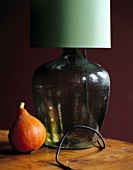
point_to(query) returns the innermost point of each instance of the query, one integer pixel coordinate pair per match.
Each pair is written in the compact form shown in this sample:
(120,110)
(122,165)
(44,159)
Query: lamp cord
(67,132)
(85,53)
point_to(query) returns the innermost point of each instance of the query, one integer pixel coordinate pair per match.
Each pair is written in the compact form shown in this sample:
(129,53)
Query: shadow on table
(5,149)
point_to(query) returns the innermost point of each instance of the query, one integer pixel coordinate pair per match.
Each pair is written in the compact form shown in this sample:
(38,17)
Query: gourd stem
(21,105)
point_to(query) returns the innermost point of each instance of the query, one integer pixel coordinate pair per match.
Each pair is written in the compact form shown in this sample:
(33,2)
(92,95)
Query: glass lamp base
(71,91)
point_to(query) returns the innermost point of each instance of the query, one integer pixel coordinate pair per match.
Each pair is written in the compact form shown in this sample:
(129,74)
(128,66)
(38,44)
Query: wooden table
(117,155)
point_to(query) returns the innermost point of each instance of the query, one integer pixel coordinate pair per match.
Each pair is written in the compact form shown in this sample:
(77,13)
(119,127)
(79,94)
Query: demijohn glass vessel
(71,91)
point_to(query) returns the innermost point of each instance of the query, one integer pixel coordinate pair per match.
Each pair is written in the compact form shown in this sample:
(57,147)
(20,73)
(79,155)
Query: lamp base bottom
(70,142)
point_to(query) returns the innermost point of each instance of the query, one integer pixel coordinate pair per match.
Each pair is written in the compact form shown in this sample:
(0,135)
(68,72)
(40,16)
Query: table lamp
(70,90)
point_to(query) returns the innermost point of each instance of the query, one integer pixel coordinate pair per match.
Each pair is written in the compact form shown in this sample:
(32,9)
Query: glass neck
(72,52)
(73,56)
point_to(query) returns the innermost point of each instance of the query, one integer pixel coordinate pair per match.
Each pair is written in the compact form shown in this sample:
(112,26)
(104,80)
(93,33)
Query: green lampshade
(70,23)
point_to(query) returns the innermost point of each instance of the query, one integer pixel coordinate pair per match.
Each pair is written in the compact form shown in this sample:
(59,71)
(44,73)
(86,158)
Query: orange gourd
(27,132)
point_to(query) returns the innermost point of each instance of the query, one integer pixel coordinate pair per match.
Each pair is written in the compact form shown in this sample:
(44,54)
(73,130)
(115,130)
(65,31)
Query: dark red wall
(18,62)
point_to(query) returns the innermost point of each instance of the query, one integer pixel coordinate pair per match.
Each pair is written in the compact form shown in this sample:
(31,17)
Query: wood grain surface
(118,155)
